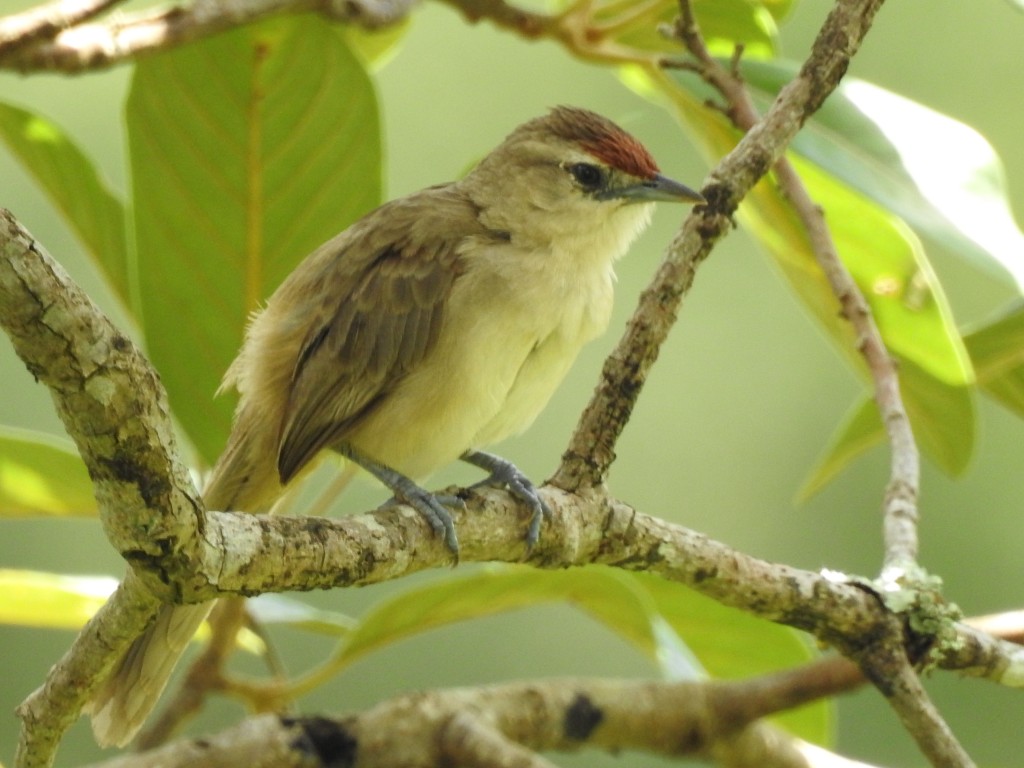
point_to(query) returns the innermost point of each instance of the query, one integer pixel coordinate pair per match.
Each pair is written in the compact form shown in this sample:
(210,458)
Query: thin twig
(895,677)
(899,505)
(900,502)
(591,449)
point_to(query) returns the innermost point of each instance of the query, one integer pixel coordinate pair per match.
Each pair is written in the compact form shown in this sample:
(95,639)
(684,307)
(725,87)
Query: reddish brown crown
(603,139)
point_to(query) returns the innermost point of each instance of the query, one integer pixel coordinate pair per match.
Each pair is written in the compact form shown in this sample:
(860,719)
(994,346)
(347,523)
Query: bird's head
(567,173)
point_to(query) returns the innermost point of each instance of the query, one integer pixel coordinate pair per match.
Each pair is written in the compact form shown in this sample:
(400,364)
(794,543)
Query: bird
(433,327)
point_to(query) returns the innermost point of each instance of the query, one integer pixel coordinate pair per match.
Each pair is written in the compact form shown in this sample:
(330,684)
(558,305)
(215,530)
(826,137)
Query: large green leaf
(888,263)
(247,151)
(69,178)
(682,631)
(42,475)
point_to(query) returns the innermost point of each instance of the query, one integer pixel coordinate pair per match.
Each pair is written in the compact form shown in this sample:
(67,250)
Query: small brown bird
(438,324)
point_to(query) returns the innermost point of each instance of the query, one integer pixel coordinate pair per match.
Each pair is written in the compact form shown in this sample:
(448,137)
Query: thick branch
(22,29)
(95,373)
(109,398)
(491,726)
(89,47)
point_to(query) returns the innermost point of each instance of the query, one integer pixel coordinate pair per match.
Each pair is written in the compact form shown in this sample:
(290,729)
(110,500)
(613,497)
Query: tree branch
(504,725)
(111,403)
(727,729)
(591,449)
(22,29)
(886,665)
(51,709)
(110,400)
(88,47)
(153,516)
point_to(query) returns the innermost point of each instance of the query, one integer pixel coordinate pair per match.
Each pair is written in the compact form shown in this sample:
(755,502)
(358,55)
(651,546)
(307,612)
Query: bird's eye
(589,176)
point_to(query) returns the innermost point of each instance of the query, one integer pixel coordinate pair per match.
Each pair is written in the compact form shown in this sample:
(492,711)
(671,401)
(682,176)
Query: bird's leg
(504,472)
(406,491)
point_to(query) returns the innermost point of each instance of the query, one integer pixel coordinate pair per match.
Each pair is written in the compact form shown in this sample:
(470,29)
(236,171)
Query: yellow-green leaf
(37,599)
(42,475)
(248,150)
(943,417)
(896,152)
(57,601)
(997,349)
(279,609)
(724,24)
(75,188)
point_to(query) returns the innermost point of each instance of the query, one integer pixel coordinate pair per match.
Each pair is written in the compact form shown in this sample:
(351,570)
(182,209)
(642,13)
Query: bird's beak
(658,188)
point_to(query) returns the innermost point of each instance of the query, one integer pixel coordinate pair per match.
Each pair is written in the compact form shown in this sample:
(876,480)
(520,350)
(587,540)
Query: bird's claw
(505,474)
(434,508)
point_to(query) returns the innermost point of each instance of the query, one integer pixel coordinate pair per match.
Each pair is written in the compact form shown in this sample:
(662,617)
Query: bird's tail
(121,705)
(243,479)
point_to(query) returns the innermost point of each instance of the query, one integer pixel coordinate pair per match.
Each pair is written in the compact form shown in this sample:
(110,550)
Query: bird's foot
(505,473)
(434,508)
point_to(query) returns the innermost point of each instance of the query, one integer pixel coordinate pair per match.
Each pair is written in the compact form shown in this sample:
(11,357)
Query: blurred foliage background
(737,410)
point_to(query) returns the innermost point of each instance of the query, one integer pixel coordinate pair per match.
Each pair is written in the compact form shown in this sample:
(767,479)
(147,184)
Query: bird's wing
(374,321)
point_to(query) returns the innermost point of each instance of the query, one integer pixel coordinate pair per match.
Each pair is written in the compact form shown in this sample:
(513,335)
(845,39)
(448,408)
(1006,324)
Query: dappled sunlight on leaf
(42,475)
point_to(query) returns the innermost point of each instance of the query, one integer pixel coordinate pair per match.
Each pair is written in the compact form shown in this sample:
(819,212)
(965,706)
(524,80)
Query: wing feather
(378,312)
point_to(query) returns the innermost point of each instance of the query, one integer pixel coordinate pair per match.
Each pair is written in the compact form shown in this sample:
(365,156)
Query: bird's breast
(514,324)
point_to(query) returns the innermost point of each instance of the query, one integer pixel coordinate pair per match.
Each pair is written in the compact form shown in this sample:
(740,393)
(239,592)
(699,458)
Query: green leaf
(733,644)
(724,23)
(779,9)
(37,599)
(71,181)
(42,475)
(997,349)
(889,265)
(943,419)
(497,589)
(375,47)
(658,617)
(248,150)
(896,152)
(56,601)
(278,609)
(886,260)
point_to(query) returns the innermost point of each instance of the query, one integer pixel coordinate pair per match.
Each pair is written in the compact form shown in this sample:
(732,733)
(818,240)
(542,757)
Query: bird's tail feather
(121,705)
